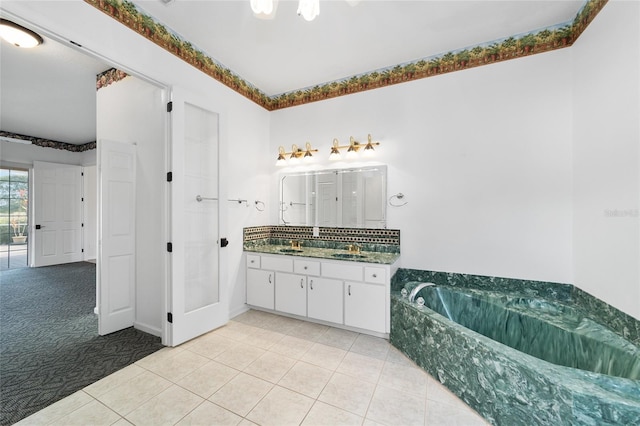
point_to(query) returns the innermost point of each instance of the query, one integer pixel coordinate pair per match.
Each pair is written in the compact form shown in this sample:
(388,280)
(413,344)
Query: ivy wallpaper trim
(545,40)
(48,143)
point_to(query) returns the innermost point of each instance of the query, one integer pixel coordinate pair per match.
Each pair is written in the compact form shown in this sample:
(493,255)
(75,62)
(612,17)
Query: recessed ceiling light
(18,35)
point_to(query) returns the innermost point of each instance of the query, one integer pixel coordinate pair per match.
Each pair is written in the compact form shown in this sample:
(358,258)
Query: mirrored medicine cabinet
(345,198)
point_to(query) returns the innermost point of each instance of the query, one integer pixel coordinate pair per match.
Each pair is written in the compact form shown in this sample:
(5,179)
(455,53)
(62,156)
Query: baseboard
(148,329)
(240,310)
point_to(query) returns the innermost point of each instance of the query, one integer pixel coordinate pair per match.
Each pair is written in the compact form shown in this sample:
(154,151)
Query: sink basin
(348,256)
(290,250)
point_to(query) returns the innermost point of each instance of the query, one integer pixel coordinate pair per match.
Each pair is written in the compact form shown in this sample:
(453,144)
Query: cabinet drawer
(343,271)
(307,267)
(375,275)
(277,263)
(253,261)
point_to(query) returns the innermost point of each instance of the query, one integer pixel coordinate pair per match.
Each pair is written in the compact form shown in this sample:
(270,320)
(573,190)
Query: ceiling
(49,91)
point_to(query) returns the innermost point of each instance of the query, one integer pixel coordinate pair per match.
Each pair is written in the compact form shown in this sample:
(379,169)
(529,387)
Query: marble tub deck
(505,386)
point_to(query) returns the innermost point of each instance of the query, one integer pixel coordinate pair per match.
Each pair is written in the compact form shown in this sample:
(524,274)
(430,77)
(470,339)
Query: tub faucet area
(416,289)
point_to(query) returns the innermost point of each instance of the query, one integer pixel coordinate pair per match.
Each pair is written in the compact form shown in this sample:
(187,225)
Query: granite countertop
(326,253)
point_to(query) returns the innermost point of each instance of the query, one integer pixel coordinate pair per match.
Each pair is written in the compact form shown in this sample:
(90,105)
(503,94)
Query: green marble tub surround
(548,330)
(504,385)
(508,386)
(375,245)
(622,324)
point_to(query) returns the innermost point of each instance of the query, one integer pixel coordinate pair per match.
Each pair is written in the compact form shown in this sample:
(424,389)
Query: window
(14,217)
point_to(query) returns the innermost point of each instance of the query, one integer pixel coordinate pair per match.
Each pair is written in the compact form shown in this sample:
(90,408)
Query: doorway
(14,218)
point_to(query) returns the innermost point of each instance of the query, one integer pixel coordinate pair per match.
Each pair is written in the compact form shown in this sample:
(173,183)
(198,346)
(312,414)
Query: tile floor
(266,369)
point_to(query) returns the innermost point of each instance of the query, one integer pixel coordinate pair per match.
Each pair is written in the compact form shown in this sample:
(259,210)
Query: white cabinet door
(364,306)
(260,286)
(325,300)
(291,293)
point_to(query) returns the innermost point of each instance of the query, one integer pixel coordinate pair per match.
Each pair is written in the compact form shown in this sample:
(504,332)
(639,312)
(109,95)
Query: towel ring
(259,205)
(399,196)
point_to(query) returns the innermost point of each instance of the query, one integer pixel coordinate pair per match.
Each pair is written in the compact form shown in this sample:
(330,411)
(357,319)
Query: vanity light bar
(353,147)
(295,154)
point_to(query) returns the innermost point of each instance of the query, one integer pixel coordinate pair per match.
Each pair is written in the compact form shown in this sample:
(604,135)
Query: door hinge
(170,317)
(82,225)
(82,199)
(169,176)
(82,250)
(81,173)
(169,106)
(169,247)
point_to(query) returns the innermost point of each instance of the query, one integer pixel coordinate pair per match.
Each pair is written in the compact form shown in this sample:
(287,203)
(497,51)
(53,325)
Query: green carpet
(49,343)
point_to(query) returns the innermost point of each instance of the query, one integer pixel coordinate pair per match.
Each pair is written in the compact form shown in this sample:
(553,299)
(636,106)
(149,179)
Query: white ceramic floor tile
(241,394)
(270,366)
(209,413)
(159,357)
(58,409)
(392,407)
(130,395)
(263,338)
(292,347)
(374,347)
(94,413)
(212,345)
(166,408)
(397,357)
(361,367)
(308,331)
(281,407)
(324,356)
(114,380)
(178,366)
(240,356)
(338,338)
(348,393)
(404,378)
(307,379)
(208,379)
(235,331)
(322,414)
(442,414)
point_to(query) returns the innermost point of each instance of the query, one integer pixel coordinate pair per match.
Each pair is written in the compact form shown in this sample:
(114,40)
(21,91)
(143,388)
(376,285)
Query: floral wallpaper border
(545,40)
(109,76)
(48,143)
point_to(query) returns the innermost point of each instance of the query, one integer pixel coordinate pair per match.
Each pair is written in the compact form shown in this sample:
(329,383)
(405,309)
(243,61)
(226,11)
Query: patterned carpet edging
(49,342)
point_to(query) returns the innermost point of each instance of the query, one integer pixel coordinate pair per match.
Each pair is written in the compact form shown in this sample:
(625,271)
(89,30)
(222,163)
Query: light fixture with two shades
(308,9)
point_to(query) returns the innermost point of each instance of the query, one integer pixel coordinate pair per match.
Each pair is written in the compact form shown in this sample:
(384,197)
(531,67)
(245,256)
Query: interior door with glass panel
(197,301)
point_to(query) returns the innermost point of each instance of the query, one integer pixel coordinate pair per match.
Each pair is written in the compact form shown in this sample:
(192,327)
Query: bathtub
(518,358)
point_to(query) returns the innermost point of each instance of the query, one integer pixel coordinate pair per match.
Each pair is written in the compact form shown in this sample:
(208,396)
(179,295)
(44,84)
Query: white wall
(606,157)
(483,157)
(133,111)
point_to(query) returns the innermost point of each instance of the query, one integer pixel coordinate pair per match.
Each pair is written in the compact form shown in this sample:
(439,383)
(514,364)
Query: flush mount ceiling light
(18,35)
(266,9)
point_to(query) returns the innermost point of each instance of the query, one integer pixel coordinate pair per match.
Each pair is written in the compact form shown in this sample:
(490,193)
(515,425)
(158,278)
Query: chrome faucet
(417,288)
(295,245)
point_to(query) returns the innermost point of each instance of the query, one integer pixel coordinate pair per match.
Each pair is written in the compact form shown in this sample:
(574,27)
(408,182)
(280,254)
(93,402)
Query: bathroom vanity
(335,276)
(346,294)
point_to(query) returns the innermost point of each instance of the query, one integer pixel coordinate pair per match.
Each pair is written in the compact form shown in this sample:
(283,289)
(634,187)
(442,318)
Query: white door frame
(165,287)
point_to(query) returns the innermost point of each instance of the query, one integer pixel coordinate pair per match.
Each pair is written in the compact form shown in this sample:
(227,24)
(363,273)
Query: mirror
(347,198)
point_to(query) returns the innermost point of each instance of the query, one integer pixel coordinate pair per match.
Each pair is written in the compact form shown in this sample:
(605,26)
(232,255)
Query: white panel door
(117,236)
(57,213)
(198,302)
